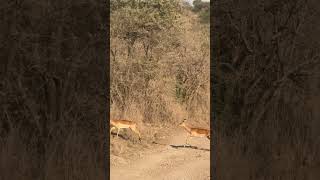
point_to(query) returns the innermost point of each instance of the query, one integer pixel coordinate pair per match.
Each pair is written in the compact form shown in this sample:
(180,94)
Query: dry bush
(266,59)
(159,71)
(162,69)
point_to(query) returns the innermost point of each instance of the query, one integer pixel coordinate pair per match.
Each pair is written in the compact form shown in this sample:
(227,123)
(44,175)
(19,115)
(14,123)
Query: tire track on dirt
(169,162)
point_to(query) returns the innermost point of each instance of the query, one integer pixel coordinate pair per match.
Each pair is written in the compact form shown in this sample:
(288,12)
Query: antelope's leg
(187,140)
(134,129)
(118,132)
(112,129)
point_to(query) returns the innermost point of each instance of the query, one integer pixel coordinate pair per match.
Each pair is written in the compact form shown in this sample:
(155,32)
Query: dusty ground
(165,160)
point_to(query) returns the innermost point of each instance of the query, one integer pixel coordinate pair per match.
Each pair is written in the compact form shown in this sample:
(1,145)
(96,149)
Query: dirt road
(171,161)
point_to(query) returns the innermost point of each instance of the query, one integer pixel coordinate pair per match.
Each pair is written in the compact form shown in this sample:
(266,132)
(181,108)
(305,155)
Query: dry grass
(144,88)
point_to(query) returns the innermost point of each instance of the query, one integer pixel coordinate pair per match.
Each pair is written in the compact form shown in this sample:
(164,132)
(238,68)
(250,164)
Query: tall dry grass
(160,76)
(168,85)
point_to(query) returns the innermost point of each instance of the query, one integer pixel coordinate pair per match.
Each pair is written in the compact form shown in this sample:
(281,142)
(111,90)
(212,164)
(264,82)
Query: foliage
(203,9)
(144,21)
(157,57)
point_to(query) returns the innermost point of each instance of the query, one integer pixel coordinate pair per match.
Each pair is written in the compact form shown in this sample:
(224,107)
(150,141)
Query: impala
(195,132)
(124,124)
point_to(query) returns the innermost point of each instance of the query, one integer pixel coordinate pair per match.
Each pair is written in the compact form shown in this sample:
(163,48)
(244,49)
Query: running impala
(194,132)
(124,124)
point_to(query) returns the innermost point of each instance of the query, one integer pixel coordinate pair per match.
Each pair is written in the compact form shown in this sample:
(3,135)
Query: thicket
(266,59)
(159,61)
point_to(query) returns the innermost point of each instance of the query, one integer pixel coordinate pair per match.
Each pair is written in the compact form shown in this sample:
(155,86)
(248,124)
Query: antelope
(195,132)
(124,124)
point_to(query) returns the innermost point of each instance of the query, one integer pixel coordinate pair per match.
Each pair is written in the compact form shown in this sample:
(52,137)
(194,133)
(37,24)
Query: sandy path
(169,162)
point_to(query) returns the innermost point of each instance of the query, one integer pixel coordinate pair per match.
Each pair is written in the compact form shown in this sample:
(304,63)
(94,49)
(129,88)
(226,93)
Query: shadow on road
(188,146)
